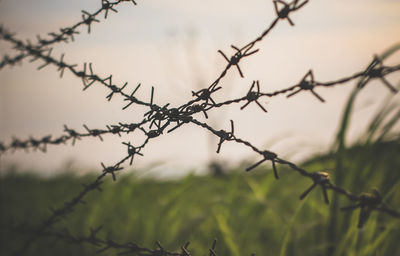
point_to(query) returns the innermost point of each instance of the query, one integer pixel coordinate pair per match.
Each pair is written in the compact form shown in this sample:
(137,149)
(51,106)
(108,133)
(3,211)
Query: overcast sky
(172,45)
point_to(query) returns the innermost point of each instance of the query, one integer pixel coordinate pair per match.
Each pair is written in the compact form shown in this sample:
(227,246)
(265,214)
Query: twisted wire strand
(65,34)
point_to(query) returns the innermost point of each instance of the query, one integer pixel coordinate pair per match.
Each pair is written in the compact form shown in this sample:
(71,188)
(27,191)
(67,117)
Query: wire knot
(94,132)
(111,169)
(287,8)
(132,151)
(377,70)
(319,178)
(88,19)
(224,136)
(270,156)
(367,202)
(205,95)
(234,60)
(253,96)
(309,85)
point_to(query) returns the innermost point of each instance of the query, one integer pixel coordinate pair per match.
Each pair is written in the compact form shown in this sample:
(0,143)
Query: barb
(307,85)
(225,136)
(111,170)
(268,156)
(252,96)
(283,13)
(319,178)
(234,60)
(377,70)
(367,203)
(132,151)
(66,34)
(205,95)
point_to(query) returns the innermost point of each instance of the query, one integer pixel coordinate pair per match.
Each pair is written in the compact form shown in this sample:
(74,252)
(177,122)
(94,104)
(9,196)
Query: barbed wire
(106,244)
(71,134)
(61,212)
(65,34)
(160,119)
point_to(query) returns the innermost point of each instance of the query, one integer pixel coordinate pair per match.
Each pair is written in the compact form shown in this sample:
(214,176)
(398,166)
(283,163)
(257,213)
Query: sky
(172,45)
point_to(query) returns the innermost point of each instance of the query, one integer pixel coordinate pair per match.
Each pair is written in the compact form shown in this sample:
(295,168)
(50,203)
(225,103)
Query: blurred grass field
(246,212)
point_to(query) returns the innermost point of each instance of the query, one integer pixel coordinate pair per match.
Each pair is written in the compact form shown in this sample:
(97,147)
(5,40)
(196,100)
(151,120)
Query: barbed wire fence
(159,120)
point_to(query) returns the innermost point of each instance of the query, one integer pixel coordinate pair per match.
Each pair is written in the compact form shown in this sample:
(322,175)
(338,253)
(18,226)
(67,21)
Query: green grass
(246,212)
